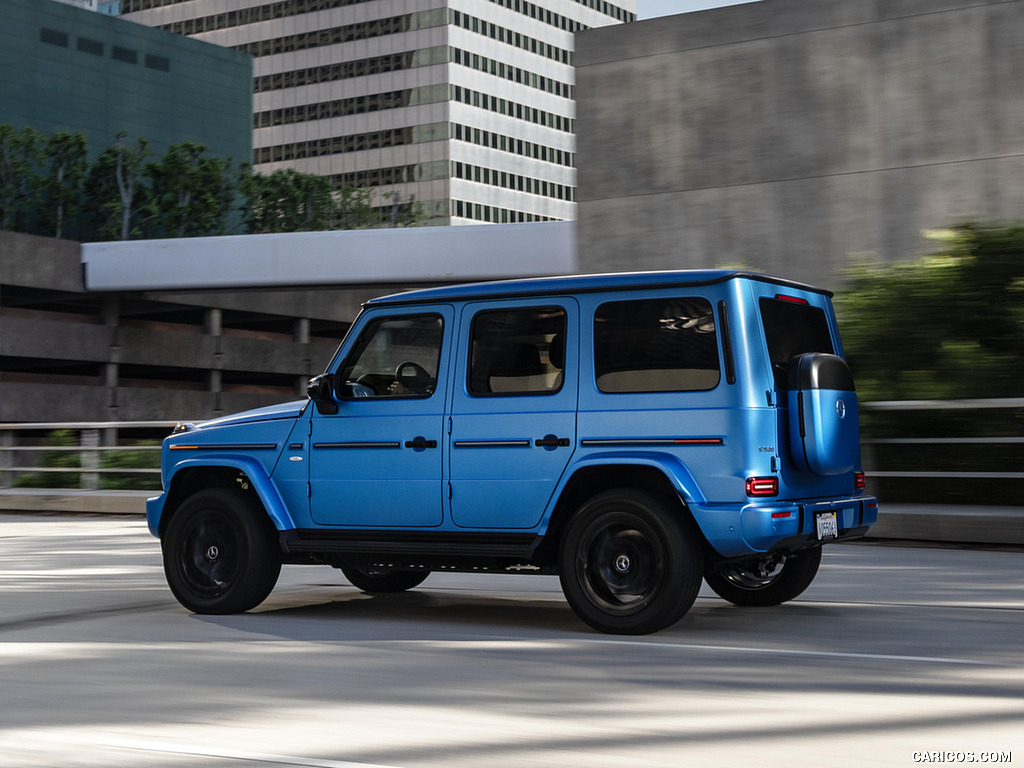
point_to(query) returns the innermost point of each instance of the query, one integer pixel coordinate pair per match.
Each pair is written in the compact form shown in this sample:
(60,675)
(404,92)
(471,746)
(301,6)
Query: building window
(53,37)
(95,47)
(127,55)
(158,62)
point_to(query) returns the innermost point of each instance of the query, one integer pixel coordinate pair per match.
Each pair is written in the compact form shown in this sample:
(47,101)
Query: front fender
(258,479)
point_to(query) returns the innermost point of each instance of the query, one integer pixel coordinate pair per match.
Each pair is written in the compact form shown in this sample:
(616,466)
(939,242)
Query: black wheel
(220,553)
(628,564)
(767,580)
(381,580)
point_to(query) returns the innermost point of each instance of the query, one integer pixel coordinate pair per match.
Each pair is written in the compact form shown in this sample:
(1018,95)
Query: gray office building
(466,107)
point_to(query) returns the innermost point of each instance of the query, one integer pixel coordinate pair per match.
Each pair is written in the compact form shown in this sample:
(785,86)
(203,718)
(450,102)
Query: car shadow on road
(421,614)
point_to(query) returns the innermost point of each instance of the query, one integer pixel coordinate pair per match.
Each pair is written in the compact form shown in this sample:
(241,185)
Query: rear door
(513,415)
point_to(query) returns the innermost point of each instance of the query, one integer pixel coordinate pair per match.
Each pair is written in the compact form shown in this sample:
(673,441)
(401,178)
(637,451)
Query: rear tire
(220,553)
(629,564)
(383,580)
(768,580)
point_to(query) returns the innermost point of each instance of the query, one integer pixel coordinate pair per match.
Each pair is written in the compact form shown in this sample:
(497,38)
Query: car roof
(570,284)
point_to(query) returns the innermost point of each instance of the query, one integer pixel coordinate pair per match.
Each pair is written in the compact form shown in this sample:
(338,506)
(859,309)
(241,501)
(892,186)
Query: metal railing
(1004,403)
(25,448)
(22,445)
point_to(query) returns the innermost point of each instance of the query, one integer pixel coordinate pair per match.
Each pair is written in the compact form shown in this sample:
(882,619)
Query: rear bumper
(782,525)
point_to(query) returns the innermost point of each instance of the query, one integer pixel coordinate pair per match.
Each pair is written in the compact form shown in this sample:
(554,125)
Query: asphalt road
(892,652)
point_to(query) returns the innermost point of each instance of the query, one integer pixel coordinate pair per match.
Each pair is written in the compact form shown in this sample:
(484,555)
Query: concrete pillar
(90,439)
(302,337)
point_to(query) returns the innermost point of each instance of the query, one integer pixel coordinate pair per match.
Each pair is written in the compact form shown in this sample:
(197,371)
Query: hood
(291,410)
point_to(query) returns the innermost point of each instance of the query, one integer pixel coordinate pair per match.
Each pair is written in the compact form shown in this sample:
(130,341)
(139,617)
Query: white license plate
(828,526)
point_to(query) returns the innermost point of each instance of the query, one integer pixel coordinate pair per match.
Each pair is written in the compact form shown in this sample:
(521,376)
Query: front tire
(768,580)
(628,563)
(383,580)
(220,553)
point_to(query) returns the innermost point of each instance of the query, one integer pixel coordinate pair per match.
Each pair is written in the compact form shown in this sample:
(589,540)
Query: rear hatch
(819,436)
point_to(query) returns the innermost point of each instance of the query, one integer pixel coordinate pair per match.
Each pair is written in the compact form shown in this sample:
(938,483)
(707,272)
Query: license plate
(827,525)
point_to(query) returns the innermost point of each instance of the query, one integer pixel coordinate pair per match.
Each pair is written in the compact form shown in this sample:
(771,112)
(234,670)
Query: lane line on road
(225,754)
(799,652)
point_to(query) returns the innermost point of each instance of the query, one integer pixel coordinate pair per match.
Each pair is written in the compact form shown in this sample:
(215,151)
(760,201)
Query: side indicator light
(762,486)
(860,481)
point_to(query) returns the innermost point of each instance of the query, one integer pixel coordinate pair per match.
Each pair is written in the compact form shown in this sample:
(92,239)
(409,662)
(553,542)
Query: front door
(513,422)
(377,461)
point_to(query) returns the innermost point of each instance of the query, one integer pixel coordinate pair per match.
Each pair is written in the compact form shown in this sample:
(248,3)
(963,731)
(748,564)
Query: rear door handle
(551,441)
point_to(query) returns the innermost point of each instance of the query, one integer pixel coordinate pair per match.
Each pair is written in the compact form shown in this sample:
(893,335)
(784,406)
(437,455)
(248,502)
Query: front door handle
(419,443)
(552,442)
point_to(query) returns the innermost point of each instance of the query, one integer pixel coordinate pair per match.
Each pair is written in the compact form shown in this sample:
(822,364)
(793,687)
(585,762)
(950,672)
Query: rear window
(792,328)
(656,345)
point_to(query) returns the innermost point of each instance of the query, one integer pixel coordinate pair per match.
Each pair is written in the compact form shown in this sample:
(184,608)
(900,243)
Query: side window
(517,351)
(656,345)
(395,357)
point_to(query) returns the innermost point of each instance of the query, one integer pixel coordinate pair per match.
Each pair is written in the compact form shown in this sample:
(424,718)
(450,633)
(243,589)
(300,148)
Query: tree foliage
(19,178)
(66,165)
(191,191)
(950,325)
(46,181)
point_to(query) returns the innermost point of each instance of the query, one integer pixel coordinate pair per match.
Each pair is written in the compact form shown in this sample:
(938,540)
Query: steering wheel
(413,377)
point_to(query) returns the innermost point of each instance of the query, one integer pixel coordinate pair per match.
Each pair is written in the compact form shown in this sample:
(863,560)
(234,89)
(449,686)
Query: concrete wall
(784,135)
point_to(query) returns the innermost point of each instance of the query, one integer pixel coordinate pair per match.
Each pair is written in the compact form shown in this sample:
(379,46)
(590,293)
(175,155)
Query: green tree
(354,210)
(19,181)
(115,187)
(66,165)
(190,191)
(950,325)
(287,201)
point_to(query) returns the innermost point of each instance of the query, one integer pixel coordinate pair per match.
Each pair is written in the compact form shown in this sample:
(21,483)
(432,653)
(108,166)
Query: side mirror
(321,391)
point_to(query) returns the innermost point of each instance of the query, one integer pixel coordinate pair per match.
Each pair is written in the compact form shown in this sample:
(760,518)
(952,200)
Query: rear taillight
(860,481)
(762,486)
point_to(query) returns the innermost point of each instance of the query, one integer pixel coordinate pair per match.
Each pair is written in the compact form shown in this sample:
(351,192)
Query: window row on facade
(504,143)
(512,74)
(513,181)
(344,70)
(391,25)
(363,30)
(419,134)
(96,48)
(437,170)
(510,37)
(357,105)
(494,214)
(429,94)
(280,10)
(535,11)
(512,109)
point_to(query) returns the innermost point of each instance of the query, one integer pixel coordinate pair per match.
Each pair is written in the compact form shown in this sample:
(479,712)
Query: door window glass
(656,345)
(395,357)
(517,352)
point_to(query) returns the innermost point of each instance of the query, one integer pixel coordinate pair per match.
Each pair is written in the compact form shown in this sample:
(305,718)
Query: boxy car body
(633,433)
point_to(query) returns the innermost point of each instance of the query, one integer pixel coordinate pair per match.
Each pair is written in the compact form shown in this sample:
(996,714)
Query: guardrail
(31,450)
(88,456)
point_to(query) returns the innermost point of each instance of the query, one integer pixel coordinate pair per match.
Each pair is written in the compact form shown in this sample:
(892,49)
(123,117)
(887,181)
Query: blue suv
(633,433)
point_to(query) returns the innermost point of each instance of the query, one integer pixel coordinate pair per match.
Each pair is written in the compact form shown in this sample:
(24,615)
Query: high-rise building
(462,109)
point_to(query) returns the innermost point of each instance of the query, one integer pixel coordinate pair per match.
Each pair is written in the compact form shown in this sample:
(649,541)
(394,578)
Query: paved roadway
(892,651)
